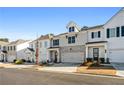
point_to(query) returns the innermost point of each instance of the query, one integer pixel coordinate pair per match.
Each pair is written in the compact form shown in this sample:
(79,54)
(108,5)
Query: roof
(43,37)
(31,49)
(19,41)
(96,42)
(122,9)
(3,43)
(97,26)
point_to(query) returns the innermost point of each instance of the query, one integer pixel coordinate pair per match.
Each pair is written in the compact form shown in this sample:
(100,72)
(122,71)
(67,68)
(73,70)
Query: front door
(95,54)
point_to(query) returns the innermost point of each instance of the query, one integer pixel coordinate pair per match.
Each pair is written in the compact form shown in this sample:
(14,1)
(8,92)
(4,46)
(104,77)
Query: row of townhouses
(76,45)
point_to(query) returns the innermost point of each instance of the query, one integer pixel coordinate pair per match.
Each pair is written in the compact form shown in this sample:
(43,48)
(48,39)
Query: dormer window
(71,29)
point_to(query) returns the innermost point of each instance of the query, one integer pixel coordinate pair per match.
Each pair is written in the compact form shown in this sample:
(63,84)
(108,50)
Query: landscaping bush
(19,61)
(89,60)
(14,60)
(102,60)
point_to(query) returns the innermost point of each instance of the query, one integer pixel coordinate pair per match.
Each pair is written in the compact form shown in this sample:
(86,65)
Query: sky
(27,22)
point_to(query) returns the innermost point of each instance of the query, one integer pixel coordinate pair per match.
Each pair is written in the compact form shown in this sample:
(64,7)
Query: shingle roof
(97,26)
(19,41)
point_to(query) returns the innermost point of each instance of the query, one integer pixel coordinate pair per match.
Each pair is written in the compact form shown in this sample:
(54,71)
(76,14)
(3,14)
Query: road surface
(9,76)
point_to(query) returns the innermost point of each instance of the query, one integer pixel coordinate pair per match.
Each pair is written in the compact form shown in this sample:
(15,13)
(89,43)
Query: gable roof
(122,9)
(19,41)
(43,37)
(72,22)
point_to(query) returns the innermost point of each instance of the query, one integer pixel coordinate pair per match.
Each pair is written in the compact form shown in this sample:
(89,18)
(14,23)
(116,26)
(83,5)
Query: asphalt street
(9,76)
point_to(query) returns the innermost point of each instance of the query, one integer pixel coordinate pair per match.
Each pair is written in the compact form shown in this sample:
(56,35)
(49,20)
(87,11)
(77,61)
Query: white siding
(115,43)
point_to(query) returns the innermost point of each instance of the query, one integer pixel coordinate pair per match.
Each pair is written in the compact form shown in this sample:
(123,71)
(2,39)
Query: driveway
(61,67)
(120,68)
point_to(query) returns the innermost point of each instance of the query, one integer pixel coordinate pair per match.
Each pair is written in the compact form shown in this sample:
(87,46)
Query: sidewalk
(21,66)
(119,68)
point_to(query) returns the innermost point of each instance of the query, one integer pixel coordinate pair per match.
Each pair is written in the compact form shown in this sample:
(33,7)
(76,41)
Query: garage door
(73,57)
(117,56)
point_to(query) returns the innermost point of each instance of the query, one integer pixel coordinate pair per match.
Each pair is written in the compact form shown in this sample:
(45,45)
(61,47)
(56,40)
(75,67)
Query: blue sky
(25,23)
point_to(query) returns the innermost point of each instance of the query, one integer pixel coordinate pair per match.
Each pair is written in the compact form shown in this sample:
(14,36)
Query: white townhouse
(96,45)
(43,43)
(101,42)
(3,51)
(70,46)
(16,50)
(114,35)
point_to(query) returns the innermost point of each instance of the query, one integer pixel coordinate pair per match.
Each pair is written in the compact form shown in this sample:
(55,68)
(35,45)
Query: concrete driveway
(61,67)
(120,68)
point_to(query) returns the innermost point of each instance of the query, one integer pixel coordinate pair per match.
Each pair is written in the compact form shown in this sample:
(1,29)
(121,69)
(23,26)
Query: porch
(54,54)
(97,51)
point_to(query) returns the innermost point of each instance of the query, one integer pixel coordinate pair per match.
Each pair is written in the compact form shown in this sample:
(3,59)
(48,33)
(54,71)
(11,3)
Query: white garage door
(73,57)
(117,56)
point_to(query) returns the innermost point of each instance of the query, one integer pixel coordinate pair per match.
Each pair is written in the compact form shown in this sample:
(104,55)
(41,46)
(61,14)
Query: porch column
(58,55)
(86,54)
(105,52)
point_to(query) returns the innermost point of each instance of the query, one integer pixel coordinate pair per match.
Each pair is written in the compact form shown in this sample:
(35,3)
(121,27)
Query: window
(96,34)
(4,47)
(117,31)
(112,32)
(122,30)
(71,29)
(56,42)
(40,44)
(10,47)
(45,44)
(71,39)
(14,48)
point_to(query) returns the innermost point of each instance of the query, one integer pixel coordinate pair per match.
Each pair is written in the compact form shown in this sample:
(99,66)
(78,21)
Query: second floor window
(11,48)
(71,29)
(96,34)
(71,39)
(4,47)
(56,42)
(14,47)
(45,44)
(40,44)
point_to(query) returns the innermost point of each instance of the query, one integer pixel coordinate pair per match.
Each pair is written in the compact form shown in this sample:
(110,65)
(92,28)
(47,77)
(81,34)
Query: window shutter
(122,30)
(69,29)
(107,33)
(117,31)
(99,34)
(92,35)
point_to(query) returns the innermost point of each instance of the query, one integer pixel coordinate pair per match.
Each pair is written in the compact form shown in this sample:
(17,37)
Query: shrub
(14,60)
(102,60)
(89,60)
(19,61)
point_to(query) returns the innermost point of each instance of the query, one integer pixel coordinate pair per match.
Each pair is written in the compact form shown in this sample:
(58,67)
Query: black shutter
(99,34)
(122,30)
(92,35)
(117,31)
(107,33)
